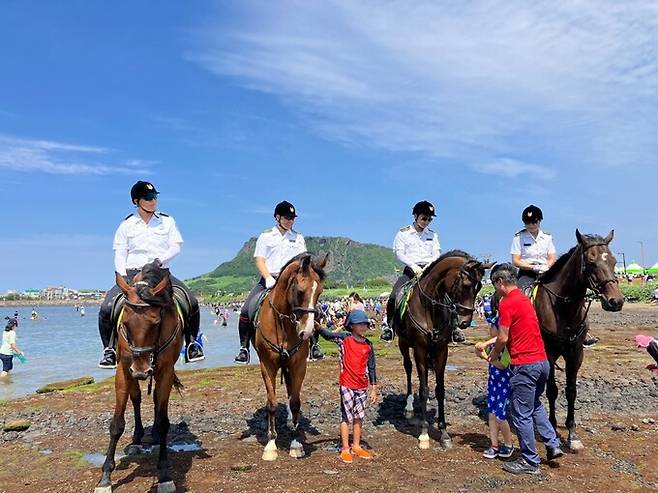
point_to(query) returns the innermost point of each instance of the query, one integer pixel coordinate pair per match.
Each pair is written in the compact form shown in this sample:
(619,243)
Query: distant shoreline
(37,303)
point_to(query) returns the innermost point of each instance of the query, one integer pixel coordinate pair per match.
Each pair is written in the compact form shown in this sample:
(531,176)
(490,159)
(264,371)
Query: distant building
(59,293)
(32,294)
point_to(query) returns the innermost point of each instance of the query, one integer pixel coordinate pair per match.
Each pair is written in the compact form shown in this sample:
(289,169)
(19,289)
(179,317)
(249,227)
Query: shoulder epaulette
(406,228)
(520,231)
(547,233)
(430,230)
(128,216)
(163,214)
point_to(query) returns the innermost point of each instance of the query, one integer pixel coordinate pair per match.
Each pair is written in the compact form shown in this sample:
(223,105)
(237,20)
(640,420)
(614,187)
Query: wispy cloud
(29,155)
(468,81)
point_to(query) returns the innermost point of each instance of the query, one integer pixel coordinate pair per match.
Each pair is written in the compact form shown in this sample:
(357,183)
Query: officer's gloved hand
(270,282)
(417,269)
(539,268)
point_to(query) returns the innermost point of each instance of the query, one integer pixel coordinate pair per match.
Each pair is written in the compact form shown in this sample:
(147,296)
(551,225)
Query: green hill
(351,264)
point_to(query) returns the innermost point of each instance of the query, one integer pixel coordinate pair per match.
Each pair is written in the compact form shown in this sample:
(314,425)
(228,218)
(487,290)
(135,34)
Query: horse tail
(178,385)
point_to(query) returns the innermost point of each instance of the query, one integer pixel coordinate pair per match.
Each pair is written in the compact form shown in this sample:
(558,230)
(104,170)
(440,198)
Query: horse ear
(324,260)
(487,266)
(610,236)
(162,285)
(305,263)
(121,282)
(579,237)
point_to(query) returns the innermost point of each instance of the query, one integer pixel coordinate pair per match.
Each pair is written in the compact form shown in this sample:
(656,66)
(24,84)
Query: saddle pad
(255,306)
(403,295)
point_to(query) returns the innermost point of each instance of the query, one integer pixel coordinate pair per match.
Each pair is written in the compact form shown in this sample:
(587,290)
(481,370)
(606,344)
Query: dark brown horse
(283,327)
(442,299)
(562,309)
(150,340)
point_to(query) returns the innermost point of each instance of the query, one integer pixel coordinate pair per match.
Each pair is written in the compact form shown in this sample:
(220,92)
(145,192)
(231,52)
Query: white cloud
(471,80)
(30,155)
(511,168)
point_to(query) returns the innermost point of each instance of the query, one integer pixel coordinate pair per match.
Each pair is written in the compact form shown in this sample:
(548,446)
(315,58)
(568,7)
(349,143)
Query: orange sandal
(345,456)
(361,453)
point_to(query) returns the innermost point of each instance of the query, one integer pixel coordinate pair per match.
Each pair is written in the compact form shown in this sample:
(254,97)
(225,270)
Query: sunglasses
(534,221)
(150,196)
(289,218)
(425,218)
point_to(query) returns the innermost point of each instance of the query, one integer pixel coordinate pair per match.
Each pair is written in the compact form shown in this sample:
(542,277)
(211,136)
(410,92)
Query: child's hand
(373,394)
(479,347)
(497,364)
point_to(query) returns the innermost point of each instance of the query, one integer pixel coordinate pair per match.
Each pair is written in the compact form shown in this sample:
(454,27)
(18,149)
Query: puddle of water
(97,459)
(185,447)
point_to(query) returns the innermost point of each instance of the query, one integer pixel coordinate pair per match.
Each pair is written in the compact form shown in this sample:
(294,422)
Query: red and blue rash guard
(357,359)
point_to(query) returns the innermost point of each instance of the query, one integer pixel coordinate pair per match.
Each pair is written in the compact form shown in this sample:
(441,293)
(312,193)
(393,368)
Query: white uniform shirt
(412,247)
(146,242)
(277,248)
(531,249)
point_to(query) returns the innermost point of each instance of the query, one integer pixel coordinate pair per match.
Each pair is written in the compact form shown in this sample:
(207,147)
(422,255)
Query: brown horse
(442,298)
(562,308)
(150,340)
(283,327)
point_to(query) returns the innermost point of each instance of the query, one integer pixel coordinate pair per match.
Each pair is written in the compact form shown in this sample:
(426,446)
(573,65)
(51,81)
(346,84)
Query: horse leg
(439,368)
(572,365)
(408,367)
(136,398)
(421,369)
(165,483)
(551,391)
(117,426)
(294,405)
(269,377)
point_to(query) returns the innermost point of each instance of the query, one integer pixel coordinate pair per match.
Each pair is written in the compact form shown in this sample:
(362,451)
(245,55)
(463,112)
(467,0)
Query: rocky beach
(218,430)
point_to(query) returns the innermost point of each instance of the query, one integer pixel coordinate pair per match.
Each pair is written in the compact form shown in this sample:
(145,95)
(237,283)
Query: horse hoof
(296,450)
(103,489)
(270,454)
(576,445)
(168,487)
(424,441)
(446,443)
(134,450)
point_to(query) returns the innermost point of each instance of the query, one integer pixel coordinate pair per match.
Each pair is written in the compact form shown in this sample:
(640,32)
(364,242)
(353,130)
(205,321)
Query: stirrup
(200,357)
(243,350)
(106,352)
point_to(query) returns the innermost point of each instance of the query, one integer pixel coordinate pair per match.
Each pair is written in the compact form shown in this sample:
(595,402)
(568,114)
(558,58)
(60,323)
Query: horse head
(141,322)
(462,280)
(598,267)
(304,281)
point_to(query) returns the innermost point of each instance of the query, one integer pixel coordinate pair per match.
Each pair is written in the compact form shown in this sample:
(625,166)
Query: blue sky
(353,111)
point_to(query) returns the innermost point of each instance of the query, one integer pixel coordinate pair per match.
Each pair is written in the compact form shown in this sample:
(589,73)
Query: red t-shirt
(357,359)
(524,344)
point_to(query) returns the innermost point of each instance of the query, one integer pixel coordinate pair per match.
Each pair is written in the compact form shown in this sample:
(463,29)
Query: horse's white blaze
(604,256)
(310,317)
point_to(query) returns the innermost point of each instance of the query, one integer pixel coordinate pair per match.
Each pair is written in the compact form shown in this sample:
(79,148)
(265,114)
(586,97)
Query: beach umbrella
(653,269)
(634,268)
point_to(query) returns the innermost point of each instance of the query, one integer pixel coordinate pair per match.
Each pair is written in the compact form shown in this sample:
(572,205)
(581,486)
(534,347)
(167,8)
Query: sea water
(62,345)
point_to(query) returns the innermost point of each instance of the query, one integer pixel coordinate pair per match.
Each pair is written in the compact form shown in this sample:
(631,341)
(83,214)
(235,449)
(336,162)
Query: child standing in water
(498,390)
(357,370)
(9,347)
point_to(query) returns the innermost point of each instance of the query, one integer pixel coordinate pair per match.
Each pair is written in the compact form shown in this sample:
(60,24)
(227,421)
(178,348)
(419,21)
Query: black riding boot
(387,330)
(244,328)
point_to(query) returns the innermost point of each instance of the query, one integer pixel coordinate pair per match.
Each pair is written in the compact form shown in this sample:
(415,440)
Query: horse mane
(550,274)
(451,253)
(314,264)
(152,274)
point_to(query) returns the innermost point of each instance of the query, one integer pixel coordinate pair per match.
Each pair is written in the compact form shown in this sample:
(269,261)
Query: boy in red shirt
(357,369)
(519,331)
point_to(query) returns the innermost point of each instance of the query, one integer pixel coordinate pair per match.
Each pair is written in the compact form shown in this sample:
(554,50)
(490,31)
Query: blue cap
(357,317)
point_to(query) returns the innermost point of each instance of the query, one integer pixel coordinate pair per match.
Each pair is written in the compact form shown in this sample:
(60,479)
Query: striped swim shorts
(353,404)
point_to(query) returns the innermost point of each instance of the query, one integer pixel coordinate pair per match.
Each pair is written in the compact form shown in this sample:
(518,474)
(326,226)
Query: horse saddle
(183,305)
(253,310)
(402,296)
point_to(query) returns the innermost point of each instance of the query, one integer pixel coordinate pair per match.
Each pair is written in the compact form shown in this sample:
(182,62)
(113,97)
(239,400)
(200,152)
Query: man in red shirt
(519,331)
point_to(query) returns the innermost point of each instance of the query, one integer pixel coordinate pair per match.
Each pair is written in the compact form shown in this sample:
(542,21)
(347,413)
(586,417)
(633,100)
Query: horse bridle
(586,270)
(448,303)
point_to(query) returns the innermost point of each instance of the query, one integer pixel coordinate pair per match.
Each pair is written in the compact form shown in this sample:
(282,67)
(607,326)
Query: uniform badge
(292,209)
(149,186)
(529,213)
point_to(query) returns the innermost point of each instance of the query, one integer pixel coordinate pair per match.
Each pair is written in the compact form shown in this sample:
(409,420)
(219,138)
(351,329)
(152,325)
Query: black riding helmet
(285,208)
(424,207)
(531,214)
(143,190)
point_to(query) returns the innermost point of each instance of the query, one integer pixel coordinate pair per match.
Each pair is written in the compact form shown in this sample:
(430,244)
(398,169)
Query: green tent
(634,268)
(653,269)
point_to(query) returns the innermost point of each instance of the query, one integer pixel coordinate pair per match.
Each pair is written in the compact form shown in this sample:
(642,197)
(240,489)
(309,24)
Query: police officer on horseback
(274,248)
(533,251)
(141,238)
(416,246)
